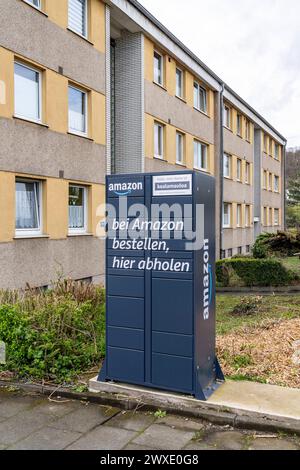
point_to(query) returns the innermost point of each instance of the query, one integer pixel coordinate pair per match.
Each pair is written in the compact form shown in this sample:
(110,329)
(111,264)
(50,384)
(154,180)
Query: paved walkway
(33,422)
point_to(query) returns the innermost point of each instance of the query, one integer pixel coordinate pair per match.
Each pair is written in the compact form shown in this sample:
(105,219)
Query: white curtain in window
(77,16)
(27,206)
(76,217)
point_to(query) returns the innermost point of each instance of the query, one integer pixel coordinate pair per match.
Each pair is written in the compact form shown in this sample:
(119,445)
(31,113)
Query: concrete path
(33,422)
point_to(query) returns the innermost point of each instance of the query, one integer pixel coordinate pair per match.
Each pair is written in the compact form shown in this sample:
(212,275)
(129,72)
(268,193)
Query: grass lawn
(292,263)
(262,345)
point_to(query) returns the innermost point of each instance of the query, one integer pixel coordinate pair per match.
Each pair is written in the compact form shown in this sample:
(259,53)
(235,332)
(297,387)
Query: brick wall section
(129,98)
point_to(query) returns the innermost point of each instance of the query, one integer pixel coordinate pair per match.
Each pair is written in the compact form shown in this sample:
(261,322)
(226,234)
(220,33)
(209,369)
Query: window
(200,98)
(248,131)
(179,148)
(77,111)
(247,173)
(239,125)
(200,156)
(158,69)
(227,165)
(247,248)
(226,215)
(247,216)
(28,207)
(239,169)
(276,216)
(158,140)
(270,181)
(277,151)
(265,182)
(35,3)
(179,83)
(28,102)
(276,184)
(265,143)
(240,250)
(77,209)
(223,254)
(265,216)
(229,253)
(270,147)
(270,216)
(78,16)
(239,215)
(227,117)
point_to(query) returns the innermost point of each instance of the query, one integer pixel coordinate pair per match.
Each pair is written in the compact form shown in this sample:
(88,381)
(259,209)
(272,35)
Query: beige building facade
(89,88)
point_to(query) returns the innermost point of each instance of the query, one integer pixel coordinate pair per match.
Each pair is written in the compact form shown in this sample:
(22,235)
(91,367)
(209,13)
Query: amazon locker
(160,282)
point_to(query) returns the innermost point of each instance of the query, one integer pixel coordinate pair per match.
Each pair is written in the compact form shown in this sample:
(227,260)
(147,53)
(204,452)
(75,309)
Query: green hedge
(253,272)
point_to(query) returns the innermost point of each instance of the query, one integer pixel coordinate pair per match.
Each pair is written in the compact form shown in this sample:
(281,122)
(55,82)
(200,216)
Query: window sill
(160,86)
(160,158)
(228,128)
(30,237)
(35,8)
(201,112)
(181,164)
(80,36)
(81,136)
(18,118)
(203,170)
(86,234)
(227,178)
(181,99)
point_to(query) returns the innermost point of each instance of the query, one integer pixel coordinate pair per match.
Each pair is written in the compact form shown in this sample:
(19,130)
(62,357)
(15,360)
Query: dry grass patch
(268,352)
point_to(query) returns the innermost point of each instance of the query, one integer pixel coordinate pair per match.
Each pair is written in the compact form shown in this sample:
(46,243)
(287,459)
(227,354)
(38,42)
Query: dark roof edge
(171,36)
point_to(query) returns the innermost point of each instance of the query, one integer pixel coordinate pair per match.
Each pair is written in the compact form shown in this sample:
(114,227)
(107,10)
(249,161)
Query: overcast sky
(253,45)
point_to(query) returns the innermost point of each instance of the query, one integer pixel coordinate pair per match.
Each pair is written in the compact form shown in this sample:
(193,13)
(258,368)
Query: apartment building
(89,88)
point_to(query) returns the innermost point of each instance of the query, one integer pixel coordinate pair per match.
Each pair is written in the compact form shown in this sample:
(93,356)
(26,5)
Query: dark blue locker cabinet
(160,315)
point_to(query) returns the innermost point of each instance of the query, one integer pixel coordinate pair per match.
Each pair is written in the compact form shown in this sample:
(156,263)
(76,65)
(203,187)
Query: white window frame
(196,155)
(227,156)
(270,182)
(227,113)
(30,2)
(276,219)
(181,94)
(161,83)
(239,125)
(197,100)
(276,184)
(248,131)
(29,232)
(247,172)
(227,225)
(276,153)
(162,128)
(239,172)
(83,230)
(265,217)
(179,139)
(239,221)
(40,95)
(247,216)
(74,131)
(86,24)
(265,179)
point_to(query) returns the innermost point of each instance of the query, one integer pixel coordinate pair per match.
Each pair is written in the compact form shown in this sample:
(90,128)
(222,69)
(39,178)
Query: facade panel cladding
(64,126)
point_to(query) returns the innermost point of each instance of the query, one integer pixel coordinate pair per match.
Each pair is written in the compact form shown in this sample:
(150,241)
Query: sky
(253,45)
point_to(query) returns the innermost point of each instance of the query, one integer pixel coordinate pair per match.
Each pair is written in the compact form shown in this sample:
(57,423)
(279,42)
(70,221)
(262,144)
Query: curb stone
(214,414)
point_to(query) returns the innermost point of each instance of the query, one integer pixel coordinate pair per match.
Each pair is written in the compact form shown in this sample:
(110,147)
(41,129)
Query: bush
(280,243)
(253,272)
(54,335)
